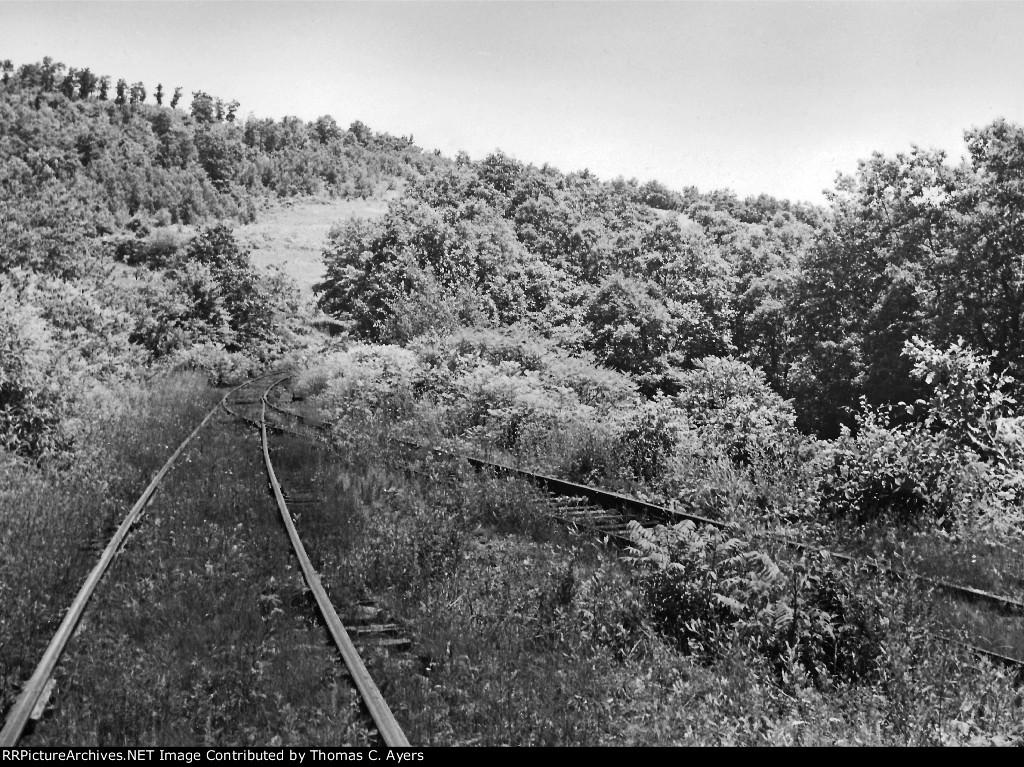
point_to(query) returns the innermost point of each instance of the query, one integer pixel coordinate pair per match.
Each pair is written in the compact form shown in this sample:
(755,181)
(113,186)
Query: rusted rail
(609,499)
(646,512)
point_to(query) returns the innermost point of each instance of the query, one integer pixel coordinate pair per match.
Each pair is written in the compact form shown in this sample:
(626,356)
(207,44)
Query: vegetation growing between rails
(201,632)
(55,523)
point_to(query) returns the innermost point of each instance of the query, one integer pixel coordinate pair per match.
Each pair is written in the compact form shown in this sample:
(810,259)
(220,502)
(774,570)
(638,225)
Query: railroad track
(36,691)
(38,684)
(388,727)
(608,515)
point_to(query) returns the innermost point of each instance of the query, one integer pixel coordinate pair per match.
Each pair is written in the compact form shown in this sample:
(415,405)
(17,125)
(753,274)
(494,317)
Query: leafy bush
(212,293)
(604,390)
(36,383)
(514,408)
(159,250)
(731,403)
(951,468)
(182,308)
(366,380)
(647,439)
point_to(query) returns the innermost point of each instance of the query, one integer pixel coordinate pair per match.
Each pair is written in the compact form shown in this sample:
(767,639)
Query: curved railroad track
(37,685)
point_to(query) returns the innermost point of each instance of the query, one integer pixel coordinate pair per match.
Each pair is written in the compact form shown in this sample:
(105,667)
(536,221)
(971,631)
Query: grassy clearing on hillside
(291,234)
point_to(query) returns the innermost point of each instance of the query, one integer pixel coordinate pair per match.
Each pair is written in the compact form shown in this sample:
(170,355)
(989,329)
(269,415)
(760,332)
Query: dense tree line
(648,290)
(821,300)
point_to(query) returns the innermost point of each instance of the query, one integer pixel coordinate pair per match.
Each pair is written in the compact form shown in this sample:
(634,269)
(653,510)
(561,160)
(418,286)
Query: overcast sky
(769,97)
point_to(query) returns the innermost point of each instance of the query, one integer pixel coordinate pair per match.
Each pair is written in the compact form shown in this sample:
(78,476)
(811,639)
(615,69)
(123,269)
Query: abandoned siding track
(608,515)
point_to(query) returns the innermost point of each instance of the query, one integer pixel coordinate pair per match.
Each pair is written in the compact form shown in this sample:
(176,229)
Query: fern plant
(706,589)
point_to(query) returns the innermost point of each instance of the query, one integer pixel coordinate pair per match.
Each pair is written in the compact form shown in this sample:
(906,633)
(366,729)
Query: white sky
(769,97)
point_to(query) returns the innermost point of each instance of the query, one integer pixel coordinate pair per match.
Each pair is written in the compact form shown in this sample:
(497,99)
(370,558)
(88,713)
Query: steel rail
(22,709)
(272,426)
(388,727)
(299,416)
(605,497)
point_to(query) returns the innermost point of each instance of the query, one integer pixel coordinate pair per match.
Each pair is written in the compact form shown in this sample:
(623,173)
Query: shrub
(823,623)
(950,469)
(906,475)
(598,387)
(731,403)
(212,294)
(514,408)
(366,380)
(647,439)
(37,385)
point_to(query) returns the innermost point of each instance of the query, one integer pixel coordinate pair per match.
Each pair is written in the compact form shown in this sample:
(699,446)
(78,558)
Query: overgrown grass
(54,521)
(523,633)
(291,234)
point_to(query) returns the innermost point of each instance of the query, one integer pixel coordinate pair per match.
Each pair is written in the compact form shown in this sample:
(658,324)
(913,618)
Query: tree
(104,88)
(249,302)
(122,90)
(981,296)
(361,133)
(158,94)
(326,129)
(176,98)
(69,85)
(869,284)
(221,153)
(51,73)
(203,107)
(137,95)
(630,328)
(916,248)
(87,83)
